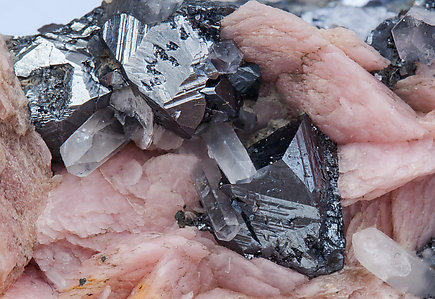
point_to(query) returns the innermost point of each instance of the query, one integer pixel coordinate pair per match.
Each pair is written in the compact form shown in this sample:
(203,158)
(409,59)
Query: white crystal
(94,142)
(390,262)
(225,147)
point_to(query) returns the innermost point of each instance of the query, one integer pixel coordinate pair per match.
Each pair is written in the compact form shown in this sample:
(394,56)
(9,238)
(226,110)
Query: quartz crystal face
(291,207)
(59,76)
(226,57)
(414,35)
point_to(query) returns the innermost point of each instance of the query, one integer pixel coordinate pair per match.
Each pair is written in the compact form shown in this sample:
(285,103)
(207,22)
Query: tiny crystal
(247,81)
(390,262)
(221,96)
(225,147)
(414,35)
(226,57)
(93,143)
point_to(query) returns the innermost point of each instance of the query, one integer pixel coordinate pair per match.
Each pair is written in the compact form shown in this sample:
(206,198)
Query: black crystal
(220,95)
(291,208)
(247,81)
(427,253)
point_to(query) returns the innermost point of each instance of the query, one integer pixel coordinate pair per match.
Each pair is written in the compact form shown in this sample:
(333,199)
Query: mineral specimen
(427,253)
(247,81)
(414,35)
(221,96)
(387,260)
(291,207)
(93,143)
(225,56)
(164,63)
(225,147)
(59,76)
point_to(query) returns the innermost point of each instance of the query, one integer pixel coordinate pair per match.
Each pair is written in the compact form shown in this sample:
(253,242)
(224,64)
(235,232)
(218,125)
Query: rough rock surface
(24,175)
(369,170)
(115,230)
(345,101)
(355,48)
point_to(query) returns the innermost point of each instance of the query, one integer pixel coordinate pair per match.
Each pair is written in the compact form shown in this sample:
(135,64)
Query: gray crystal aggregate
(225,147)
(414,35)
(59,76)
(93,143)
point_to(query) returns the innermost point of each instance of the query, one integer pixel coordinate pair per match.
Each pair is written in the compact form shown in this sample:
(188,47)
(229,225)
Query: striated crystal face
(291,207)
(393,264)
(414,35)
(94,142)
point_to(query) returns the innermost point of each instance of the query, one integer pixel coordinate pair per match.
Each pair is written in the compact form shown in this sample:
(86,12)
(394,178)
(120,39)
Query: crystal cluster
(126,70)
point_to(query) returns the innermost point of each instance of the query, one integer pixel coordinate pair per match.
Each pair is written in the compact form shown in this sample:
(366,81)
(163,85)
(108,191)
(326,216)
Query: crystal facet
(291,208)
(225,147)
(93,143)
(414,35)
(59,76)
(247,81)
(217,205)
(137,117)
(226,57)
(221,96)
(390,262)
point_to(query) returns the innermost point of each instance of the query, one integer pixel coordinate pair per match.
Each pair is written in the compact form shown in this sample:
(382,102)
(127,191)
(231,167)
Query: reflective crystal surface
(147,11)
(390,262)
(225,56)
(225,147)
(291,208)
(222,96)
(414,35)
(247,81)
(135,115)
(427,253)
(59,76)
(166,68)
(97,139)
(217,205)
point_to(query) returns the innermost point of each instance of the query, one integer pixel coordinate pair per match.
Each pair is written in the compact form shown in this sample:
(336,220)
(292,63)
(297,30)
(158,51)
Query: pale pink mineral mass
(369,170)
(355,48)
(418,91)
(344,100)
(24,175)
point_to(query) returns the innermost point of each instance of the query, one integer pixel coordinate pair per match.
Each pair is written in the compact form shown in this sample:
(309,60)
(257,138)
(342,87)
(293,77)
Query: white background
(24,17)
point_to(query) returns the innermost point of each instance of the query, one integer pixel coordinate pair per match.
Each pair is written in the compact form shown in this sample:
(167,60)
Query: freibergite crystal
(291,208)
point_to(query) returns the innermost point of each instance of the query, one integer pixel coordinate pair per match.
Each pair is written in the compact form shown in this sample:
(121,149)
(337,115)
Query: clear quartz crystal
(222,216)
(226,57)
(97,139)
(390,262)
(228,151)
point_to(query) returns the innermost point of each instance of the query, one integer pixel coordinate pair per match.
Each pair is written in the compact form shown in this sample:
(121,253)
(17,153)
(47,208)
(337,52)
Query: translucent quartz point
(414,35)
(390,262)
(226,57)
(93,143)
(230,154)
(222,216)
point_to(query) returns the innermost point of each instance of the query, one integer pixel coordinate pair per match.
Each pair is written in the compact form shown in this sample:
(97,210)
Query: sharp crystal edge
(386,259)
(165,65)
(291,207)
(93,143)
(59,76)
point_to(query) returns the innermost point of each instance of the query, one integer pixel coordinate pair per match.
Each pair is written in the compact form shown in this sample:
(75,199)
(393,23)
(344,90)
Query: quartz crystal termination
(164,63)
(93,143)
(390,262)
(414,35)
(291,208)
(225,147)
(59,76)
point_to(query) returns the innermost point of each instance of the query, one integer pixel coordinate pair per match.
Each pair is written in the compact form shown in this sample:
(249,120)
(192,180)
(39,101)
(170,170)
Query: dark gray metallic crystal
(59,76)
(221,96)
(165,64)
(247,81)
(291,208)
